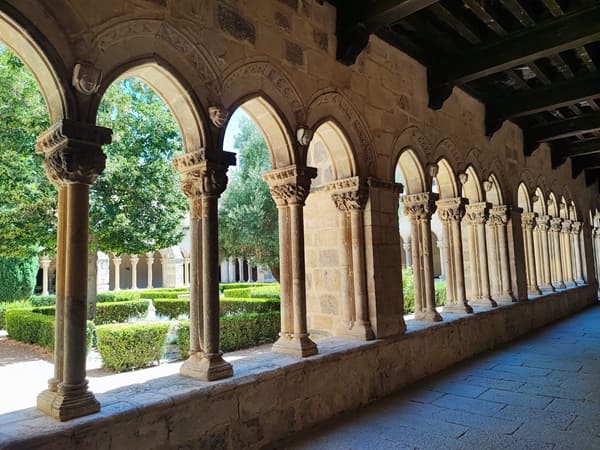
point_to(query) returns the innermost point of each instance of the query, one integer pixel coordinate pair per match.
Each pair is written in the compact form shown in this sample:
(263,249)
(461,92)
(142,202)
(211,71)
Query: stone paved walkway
(542,392)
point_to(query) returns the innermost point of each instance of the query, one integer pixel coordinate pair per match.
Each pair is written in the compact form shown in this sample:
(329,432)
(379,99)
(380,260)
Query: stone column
(567,263)
(350,196)
(117,263)
(442,247)
(241,269)
(476,217)
(596,250)
(45,265)
(203,180)
(451,211)
(250,275)
(556,257)
(528,223)
(73,158)
(186,271)
(543,225)
(497,220)
(578,265)
(231,269)
(289,187)
(149,264)
(407,252)
(419,208)
(134,259)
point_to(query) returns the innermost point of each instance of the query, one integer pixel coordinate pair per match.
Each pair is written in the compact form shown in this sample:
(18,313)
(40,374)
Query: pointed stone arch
(411,138)
(471,188)
(446,179)
(494,194)
(411,173)
(539,201)
(523,197)
(447,149)
(334,106)
(552,205)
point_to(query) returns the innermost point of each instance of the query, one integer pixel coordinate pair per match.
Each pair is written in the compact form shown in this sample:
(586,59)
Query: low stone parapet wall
(273,395)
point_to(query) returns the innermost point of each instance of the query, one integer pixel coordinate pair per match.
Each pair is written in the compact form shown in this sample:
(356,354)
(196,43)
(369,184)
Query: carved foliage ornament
(477,213)
(451,209)
(419,206)
(566,226)
(349,194)
(543,223)
(73,151)
(498,215)
(556,224)
(528,220)
(290,185)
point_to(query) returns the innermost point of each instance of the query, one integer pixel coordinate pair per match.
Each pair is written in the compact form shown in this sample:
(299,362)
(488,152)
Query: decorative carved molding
(349,193)
(477,213)
(528,220)
(566,226)
(451,209)
(73,151)
(291,184)
(543,223)
(576,228)
(86,78)
(342,105)
(419,206)
(265,70)
(556,224)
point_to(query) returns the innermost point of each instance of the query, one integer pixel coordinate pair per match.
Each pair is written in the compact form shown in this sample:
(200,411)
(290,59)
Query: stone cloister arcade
(512,227)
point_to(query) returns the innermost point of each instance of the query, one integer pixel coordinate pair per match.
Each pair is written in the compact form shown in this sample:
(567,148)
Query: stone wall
(274,395)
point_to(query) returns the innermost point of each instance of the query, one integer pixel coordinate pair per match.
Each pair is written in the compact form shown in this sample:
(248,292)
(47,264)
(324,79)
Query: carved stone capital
(349,193)
(556,224)
(576,227)
(528,220)
(291,184)
(543,223)
(419,206)
(477,213)
(498,215)
(566,226)
(451,209)
(397,188)
(73,151)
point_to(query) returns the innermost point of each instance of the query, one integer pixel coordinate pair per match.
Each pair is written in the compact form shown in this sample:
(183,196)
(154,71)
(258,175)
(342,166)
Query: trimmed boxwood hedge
(118,296)
(164,293)
(43,300)
(130,346)
(173,308)
(33,328)
(115,312)
(271,291)
(13,305)
(226,286)
(237,332)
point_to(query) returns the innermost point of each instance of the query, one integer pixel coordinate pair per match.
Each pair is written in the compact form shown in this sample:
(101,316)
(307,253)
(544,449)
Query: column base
(579,282)
(458,308)
(558,285)
(533,290)
(206,367)
(299,346)
(428,316)
(546,288)
(570,284)
(362,331)
(483,301)
(505,299)
(68,403)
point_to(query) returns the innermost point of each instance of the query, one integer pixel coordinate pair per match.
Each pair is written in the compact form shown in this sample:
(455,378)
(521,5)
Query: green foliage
(247,214)
(17,277)
(271,291)
(226,286)
(122,311)
(440,292)
(164,293)
(118,296)
(45,310)
(136,204)
(27,326)
(43,300)
(127,346)
(27,198)
(237,332)
(174,308)
(13,305)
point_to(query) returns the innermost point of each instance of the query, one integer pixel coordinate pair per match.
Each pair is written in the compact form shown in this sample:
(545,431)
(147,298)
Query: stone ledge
(272,395)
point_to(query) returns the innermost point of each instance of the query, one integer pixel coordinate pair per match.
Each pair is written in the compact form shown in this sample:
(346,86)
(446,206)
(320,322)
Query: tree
(247,212)
(27,198)
(136,205)
(17,278)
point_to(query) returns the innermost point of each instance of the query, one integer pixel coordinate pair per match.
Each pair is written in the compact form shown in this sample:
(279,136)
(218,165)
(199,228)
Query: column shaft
(361,302)
(134,259)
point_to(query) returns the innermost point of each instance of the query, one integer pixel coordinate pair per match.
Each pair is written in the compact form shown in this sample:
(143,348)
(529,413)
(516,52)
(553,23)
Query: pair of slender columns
(556,253)
(451,211)
(203,179)
(350,196)
(45,265)
(419,208)
(596,249)
(566,250)
(476,215)
(499,268)
(73,159)
(290,187)
(528,222)
(576,246)
(542,253)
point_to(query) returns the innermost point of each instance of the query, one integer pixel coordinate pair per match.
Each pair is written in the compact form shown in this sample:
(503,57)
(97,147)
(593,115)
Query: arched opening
(523,198)
(445,180)
(539,202)
(493,193)
(471,188)
(552,205)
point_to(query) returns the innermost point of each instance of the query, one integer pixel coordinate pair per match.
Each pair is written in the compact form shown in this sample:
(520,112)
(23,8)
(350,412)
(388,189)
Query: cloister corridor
(540,392)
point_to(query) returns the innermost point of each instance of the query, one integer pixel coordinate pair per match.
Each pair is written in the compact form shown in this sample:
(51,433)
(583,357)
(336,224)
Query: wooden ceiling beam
(560,129)
(357,19)
(581,163)
(560,151)
(544,40)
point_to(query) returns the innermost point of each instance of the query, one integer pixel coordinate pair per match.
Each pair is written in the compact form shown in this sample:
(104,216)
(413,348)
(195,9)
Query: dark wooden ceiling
(534,62)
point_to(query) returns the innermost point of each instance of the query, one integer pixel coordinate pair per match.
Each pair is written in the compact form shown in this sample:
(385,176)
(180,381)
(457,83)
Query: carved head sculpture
(86,78)
(218,115)
(304,136)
